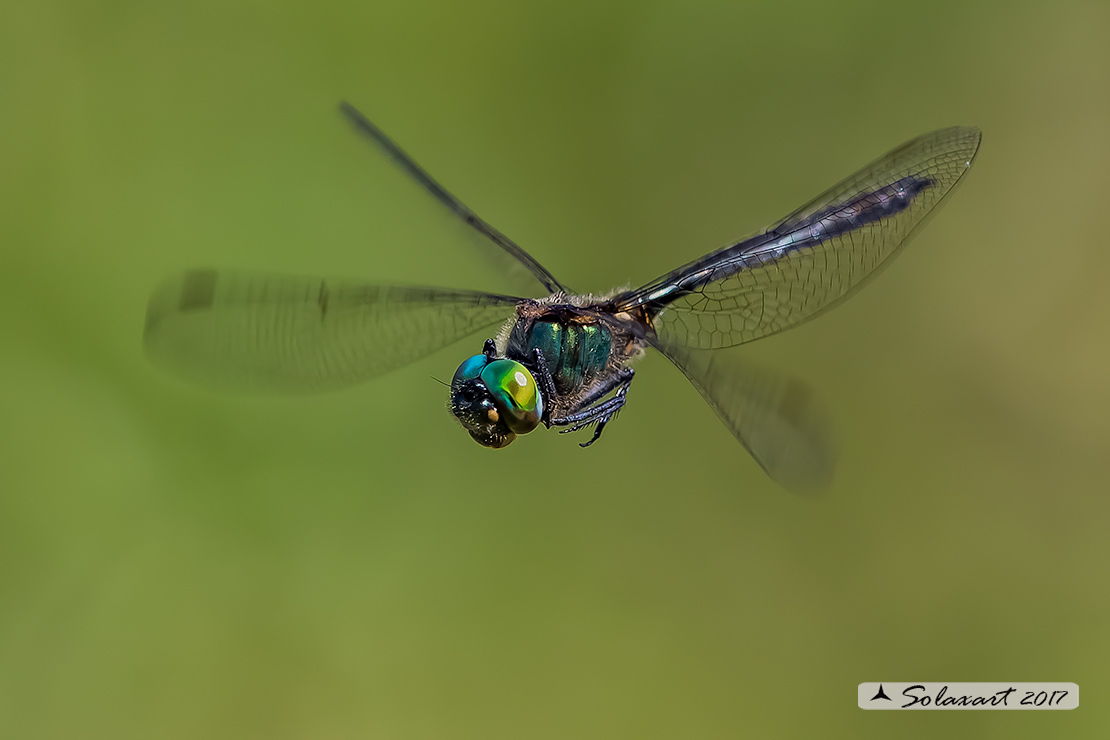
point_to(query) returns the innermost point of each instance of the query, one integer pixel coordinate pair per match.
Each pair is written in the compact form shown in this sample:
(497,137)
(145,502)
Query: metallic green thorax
(575,353)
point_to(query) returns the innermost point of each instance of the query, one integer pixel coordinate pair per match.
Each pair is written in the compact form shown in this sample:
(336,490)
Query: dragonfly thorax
(495,400)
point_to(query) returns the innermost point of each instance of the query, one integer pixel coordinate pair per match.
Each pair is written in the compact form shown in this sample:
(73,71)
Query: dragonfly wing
(776,417)
(260,332)
(511,256)
(815,257)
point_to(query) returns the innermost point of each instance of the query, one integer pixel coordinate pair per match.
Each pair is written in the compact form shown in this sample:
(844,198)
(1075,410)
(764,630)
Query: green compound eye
(470,369)
(515,392)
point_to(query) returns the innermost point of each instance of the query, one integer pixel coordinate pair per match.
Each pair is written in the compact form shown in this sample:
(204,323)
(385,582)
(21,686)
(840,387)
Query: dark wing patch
(815,257)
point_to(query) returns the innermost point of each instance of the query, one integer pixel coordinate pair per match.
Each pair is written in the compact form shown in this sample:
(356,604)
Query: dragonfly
(561,359)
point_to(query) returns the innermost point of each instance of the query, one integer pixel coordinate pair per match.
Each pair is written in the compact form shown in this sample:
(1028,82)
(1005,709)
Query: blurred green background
(180,564)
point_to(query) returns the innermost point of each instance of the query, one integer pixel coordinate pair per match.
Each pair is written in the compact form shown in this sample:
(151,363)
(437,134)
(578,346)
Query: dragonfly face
(495,400)
(563,360)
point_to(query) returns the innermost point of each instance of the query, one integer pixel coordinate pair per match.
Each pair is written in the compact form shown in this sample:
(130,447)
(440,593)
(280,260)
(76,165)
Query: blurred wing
(775,417)
(516,255)
(815,257)
(257,332)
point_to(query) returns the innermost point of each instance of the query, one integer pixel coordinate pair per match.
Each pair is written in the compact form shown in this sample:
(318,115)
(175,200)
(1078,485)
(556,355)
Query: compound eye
(515,392)
(470,369)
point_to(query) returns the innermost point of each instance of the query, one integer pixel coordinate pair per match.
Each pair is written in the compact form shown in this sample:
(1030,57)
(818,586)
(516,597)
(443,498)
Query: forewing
(260,332)
(815,257)
(776,417)
(510,255)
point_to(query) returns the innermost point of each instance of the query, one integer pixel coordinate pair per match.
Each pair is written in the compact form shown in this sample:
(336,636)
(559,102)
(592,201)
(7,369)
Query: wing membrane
(259,332)
(774,416)
(409,166)
(815,257)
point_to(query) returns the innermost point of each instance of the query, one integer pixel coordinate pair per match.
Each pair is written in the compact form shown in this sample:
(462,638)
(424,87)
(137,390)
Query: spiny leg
(600,412)
(606,386)
(607,412)
(542,373)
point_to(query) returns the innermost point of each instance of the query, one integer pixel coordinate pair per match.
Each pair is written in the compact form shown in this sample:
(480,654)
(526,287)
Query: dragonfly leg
(618,404)
(622,377)
(601,414)
(542,373)
(592,410)
(490,350)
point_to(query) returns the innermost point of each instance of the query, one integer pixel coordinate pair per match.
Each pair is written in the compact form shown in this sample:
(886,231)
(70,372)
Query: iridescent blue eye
(470,369)
(515,392)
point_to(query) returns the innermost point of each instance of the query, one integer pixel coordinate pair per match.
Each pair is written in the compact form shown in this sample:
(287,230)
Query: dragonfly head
(495,400)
